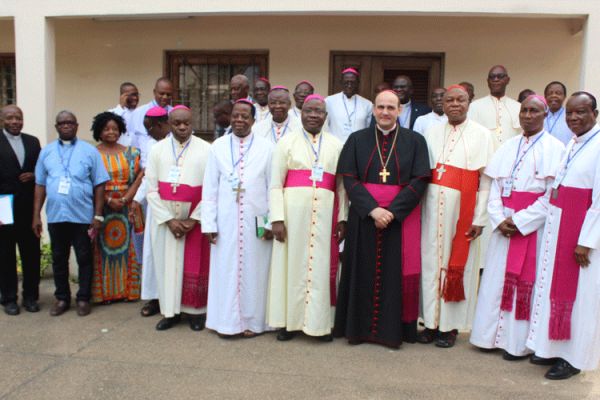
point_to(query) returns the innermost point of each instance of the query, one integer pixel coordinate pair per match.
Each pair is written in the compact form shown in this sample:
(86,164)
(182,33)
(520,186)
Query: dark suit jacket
(10,171)
(416,110)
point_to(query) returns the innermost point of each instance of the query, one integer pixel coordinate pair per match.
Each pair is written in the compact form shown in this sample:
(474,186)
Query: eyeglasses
(496,76)
(66,123)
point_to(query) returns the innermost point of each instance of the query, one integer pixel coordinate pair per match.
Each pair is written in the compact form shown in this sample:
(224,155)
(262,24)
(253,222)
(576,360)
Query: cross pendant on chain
(384,174)
(440,171)
(238,191)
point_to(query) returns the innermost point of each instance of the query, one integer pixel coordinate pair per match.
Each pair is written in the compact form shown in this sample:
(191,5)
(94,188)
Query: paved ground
(116,354)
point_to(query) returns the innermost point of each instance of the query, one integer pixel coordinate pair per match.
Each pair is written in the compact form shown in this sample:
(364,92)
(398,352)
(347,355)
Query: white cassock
(126,114)
(538,158)
(300,282)
(467,148)
(239,262)
(167,251)
(423,122)
(273,131)
(501,117)
(296,113)
(582,179)
(346,115)
(138,133)
(556,124)
(262,112)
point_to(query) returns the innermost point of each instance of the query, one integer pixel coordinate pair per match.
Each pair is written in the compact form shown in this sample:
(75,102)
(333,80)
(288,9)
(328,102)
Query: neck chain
(384,172)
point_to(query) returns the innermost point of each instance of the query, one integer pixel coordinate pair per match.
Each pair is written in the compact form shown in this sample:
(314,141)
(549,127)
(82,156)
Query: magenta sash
(574,203)
(301,178)
(411,248)
(520,261)
(196,255)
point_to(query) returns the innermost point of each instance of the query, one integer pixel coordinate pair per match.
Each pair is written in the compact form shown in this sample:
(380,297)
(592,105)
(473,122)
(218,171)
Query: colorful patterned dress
(116,269)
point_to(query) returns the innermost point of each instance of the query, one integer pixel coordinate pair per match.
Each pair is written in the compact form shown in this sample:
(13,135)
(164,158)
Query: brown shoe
(83,308)
(59,307)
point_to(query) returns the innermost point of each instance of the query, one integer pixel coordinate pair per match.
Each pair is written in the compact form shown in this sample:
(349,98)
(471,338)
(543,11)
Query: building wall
(7,36)
(93,57)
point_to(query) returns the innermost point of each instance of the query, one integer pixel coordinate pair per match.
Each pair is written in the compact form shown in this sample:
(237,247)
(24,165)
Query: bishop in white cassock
(522,173)
(279,122)
(235,204)
(454,213)
(308,214)
(180,252)
(565,323)
(348,111)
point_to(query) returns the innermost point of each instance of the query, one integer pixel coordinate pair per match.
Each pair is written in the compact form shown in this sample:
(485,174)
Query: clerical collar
(281,124)
(459,125)
(67,142)
(533,137)
(248,136)
(10,135)
(586,135)
(556,112)
(386,131)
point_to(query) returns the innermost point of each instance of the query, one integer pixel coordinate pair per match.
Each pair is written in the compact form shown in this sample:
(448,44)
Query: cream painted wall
(7,36)
(94,57)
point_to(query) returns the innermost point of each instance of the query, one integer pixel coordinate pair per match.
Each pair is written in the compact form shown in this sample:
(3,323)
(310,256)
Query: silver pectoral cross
(440,171)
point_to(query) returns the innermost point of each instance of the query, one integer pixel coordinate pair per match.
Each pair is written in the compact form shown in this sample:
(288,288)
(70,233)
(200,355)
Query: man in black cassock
(385,170)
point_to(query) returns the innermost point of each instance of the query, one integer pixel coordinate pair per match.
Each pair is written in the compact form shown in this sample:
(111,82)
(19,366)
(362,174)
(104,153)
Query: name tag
(174,174)
(317,173)
(64,185)
(507,187)
(234,181)
(348,127)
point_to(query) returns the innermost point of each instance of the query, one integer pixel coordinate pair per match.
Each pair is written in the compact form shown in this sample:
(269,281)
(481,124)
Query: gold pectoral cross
(238,190)
(440,171)
(384,174)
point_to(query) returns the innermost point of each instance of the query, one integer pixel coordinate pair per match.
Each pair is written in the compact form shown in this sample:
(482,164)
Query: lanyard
(235,163)
(177,157)
(315,152)
(571,157)
(275,139)
(555,120)
(519,159)
(61,155)
(348,114)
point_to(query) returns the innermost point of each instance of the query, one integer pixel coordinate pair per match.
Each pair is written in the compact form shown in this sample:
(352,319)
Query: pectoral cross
(440,171)
(384,174)
(174,186)
(238,190)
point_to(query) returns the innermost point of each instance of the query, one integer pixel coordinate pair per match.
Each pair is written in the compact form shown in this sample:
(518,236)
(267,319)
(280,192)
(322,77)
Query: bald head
(532,114)
(386,109)
(239,87)
(11,119)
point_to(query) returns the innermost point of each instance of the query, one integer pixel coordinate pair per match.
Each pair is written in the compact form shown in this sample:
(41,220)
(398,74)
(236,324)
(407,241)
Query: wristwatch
(99,218)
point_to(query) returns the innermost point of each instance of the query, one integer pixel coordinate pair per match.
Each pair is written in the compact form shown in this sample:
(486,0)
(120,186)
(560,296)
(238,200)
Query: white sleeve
(210,195)
(590,231)
(160,212)
(495,207)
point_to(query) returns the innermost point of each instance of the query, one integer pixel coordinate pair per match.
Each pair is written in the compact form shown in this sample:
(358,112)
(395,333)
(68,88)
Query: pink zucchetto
(156,111)
(315,96)
(459,87)
(180,107)
(350,71)
(280,88)
(265,80)
(308,83)
(540,98)
(244,101)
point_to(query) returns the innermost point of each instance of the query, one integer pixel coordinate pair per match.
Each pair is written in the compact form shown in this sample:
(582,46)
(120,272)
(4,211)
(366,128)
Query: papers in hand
(6,209)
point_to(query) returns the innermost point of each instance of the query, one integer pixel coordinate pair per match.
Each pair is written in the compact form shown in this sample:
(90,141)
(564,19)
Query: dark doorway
(425,70)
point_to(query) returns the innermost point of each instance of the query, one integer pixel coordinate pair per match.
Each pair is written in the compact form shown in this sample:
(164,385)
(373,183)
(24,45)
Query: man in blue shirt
(71,175)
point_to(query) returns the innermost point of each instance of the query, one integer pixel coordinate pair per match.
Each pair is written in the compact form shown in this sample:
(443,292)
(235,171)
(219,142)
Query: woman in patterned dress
(116,270)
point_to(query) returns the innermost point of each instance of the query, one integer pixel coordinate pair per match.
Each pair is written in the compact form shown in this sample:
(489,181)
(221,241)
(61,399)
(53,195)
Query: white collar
(386,131)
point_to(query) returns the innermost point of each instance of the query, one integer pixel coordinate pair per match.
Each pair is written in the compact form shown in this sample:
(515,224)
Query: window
(8,86)
(201,80)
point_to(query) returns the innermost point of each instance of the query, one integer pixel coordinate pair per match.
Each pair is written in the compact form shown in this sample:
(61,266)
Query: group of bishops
(250,229)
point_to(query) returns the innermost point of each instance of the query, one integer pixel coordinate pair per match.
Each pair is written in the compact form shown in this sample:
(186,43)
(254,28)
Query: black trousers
(63,235)
(19,234)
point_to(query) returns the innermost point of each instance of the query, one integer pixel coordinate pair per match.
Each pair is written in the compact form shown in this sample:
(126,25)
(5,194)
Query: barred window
(201,80)
(8,85)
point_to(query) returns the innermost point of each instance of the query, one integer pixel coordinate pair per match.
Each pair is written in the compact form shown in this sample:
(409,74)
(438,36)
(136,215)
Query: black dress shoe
(325,338)
(509,357)
(284,335)
(59,307)
(427,335)
(446,339)
(542,361)
(31,305)
(167,323)
(197,322)
(150,308)
(561,370)
(83,308)
(12,308)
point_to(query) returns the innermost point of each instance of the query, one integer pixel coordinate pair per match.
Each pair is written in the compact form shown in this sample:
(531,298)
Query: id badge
(64,185)
(234,181)
(174,173)
(348,127)
(559,178)
(507,187)
(317,173)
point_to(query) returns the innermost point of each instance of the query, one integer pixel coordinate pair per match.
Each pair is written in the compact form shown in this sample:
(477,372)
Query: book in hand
(261,222)
(6,209)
